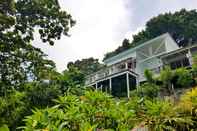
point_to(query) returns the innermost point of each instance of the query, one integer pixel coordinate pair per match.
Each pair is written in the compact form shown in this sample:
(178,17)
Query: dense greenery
(34,96)
(19,21)
(181,25)
(96,110)
(27,78)
(79,109)
(86,66)
(38,94)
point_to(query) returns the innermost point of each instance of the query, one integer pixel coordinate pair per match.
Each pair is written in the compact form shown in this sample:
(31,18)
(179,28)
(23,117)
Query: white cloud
(101,26)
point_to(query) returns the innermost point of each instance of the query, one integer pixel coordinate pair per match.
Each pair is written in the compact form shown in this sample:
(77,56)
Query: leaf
(4,128)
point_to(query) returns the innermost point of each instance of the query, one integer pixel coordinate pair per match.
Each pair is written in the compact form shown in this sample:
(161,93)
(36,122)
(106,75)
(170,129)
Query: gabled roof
(132,50)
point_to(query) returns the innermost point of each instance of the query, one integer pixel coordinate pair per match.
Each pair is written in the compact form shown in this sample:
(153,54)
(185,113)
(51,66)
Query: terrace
(112,71)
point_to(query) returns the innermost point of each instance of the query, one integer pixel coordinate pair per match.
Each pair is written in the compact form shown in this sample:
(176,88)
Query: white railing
(103,73)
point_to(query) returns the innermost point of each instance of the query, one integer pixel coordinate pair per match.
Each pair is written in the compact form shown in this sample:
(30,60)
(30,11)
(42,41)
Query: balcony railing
(103,73)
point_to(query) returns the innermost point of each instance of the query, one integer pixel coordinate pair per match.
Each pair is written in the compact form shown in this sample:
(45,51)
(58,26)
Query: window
(183,62)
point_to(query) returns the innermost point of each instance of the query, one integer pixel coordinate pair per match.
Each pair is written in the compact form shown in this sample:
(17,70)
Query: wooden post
(127,79)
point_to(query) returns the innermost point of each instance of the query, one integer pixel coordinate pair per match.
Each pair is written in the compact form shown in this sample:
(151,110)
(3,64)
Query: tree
(166,76)
(146,90)
(181,25)
(194,68)
(125,45)
(86,66)
(183,77)
(71,81)
(149,76)
(13,108)
(19,20)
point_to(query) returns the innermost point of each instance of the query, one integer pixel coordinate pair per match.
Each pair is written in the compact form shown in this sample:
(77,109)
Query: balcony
(111,70)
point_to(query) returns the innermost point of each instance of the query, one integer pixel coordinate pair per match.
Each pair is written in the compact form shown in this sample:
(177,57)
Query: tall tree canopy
(19,20)
(86,66)
(182,26)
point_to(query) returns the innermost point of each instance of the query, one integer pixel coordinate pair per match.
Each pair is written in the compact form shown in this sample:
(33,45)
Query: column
(128,91)
(137,82)
(96,85)
(126,65)
(110,85)
(190,57)
(101,88)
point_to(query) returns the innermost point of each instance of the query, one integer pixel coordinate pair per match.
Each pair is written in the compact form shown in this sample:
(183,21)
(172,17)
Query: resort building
(125,71)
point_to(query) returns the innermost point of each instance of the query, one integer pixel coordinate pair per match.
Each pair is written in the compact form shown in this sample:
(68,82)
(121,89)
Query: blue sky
(103,24)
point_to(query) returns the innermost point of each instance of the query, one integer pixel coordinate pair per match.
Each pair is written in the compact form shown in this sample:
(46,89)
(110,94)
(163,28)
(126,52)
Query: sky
(103,24)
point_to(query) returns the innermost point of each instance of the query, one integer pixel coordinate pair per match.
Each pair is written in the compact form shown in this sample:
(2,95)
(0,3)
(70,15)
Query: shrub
(97,110)
(146,90)
(183,77)
(12,109)
(81,113)
(166,77)
(40,94)
(149,76)
(161,115)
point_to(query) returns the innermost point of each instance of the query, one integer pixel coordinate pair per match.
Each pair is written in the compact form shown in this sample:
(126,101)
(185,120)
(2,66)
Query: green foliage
(71,80)
(97,110)
(146,90)
(194,68)
(161,115)
(125,45)
(79,109)
(181,25)
(166,76)
(188,102)
(16,104)
(88,112)
(149,76)
(183,77)
(4,128)
(86,66)
(40,94)
(194,60)
(21,61)
(12,109)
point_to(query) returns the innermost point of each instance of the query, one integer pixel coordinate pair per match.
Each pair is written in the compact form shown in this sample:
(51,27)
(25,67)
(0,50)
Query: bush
(13,108)
(183,77)
(82,113)
(97,110)
(194,73)
(149,76)
(40,94)
(146,90)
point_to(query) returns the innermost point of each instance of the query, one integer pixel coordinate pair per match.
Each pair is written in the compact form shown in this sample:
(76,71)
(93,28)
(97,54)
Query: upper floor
(152,55)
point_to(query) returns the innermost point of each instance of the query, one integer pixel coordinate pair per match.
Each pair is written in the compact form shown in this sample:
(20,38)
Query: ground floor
(118,85)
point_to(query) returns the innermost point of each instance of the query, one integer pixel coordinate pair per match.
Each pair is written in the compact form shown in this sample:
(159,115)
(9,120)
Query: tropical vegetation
(34,96)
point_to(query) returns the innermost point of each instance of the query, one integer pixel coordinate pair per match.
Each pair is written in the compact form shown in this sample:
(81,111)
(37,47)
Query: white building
(125,71)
